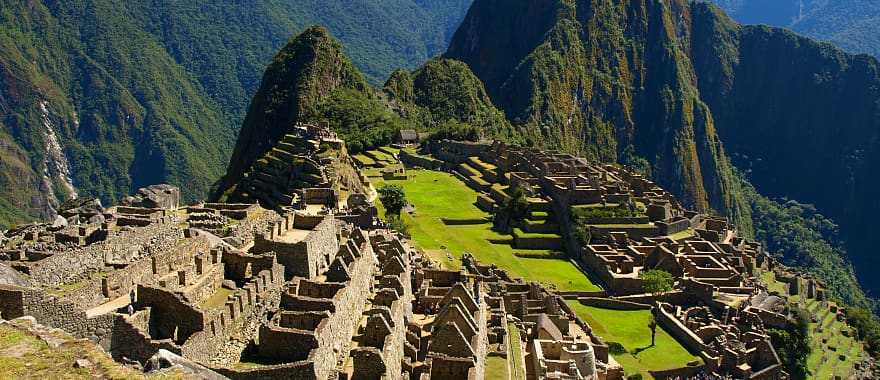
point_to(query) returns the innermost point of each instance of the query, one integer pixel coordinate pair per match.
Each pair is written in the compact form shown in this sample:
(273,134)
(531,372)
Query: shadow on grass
(640,349)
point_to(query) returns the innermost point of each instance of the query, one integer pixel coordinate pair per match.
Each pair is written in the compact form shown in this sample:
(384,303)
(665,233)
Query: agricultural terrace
(834,353)
(630,329)
(437,196)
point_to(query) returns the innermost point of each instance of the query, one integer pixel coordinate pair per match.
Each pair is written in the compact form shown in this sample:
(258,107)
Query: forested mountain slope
(102,96)
(851,24)
(679,90)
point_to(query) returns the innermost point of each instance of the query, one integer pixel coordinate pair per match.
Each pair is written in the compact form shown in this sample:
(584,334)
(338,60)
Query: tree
(393,198)
(652,324)
(656,281)
(513,211)
(792,344)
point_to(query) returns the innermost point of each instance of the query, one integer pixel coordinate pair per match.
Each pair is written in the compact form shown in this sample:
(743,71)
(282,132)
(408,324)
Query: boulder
(155,196)
(58,224)
(9,276)
(84,208)
(167,359)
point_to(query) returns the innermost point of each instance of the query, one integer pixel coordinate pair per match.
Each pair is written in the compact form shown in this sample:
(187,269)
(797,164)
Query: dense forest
(851,24)
(142,92)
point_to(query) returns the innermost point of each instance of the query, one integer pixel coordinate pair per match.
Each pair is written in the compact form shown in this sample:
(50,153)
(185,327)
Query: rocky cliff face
(305,72)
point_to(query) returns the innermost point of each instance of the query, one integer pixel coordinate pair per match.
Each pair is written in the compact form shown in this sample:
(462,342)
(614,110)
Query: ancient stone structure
(297,281)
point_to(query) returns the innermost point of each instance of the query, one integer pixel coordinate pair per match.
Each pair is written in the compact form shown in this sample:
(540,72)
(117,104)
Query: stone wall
(334,333)
(667,320)
(171,317)
(610,303)
(307,257)
(51,311)
(419,161)
(76,264)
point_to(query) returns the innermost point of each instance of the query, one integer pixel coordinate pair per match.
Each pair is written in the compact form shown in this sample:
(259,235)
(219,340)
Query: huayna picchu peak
(570,189)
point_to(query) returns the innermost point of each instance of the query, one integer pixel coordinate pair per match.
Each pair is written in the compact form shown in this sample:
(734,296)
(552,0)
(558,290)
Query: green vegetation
(217,299)
(793,345)
(25,356)
(393,199)
(513,211)
(825,342)
(850,24)
(496,368)
(584,213)
(144,92)
(807,240)
(364,122)
(631,330)
(868,327)
(656,281)
(514,353)
(437,195)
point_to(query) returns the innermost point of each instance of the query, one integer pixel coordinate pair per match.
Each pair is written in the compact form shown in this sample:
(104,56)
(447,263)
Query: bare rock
(82,363)
(84,208)
(167,359)
(58,224)
(229,284)
(155,196)
(9,276)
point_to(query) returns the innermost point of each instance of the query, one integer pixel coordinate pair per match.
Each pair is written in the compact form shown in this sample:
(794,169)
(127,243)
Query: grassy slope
(440,195)
(25,356)
(630,328)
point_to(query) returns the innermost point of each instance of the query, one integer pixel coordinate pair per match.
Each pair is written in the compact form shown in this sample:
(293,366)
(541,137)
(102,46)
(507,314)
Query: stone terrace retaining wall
(610,303)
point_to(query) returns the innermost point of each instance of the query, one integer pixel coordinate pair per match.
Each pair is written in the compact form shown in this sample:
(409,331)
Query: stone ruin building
(292,277)
(715,269)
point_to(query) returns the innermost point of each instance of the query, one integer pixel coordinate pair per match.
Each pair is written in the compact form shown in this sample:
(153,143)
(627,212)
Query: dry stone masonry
(298,281)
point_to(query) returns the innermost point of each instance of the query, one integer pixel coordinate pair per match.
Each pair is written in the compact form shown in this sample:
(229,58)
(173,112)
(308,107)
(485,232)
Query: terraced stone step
(540,215)
(540,227)
(468,171)
(498,192)
(487,171)
(527,240)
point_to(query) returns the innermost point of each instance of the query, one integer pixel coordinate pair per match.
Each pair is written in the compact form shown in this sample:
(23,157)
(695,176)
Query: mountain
(311,80)
(93,105)
(853,25)
(100,97)
(303,74)
(701,103)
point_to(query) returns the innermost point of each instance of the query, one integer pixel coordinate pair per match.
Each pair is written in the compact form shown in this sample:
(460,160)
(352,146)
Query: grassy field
(514,353)
(496,368)
(630,328)
(441,195)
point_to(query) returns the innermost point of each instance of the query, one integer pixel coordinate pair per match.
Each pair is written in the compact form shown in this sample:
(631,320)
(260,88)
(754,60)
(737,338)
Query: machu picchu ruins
(293,274)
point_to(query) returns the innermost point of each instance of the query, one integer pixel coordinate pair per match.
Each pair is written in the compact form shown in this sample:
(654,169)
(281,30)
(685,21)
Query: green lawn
(441,195)
(630,328)
(496,368)
(514,353)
